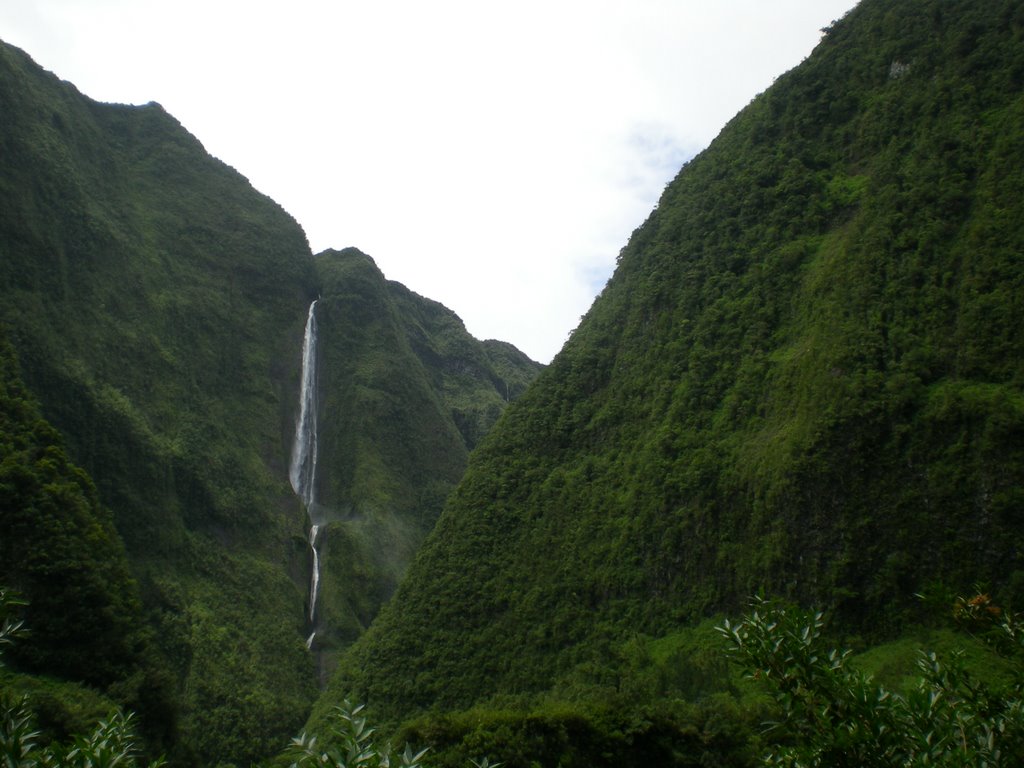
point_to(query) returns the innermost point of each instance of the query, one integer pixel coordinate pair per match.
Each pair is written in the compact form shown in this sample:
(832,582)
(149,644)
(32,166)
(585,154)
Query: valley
(243,484)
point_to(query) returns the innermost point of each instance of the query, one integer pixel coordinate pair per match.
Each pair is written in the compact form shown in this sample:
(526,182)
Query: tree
(110,744)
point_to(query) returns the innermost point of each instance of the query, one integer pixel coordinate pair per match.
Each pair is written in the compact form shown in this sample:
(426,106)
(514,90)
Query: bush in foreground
(349,744)
(836,716)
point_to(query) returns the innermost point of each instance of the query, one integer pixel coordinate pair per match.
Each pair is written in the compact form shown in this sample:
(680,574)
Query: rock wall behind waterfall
(405,393)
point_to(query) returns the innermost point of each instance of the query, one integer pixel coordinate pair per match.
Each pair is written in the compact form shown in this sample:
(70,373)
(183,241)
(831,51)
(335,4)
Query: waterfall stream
(303,468)
(304,456)
(314,584)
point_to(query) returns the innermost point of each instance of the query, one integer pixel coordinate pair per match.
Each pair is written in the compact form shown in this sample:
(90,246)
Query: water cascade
(314,583)
(304,455)
(303,468)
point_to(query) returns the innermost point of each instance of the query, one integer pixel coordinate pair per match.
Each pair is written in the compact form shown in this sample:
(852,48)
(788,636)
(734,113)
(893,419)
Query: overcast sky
(492,156)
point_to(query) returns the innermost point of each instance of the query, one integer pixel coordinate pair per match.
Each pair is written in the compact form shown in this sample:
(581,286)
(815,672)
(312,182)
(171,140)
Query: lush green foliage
(11,626)
(619,731)
(805,377)
(60,551)
(146,398)
(58,547)
(111,743)
(835,715)
(156,303)
(349,744)
(612,733)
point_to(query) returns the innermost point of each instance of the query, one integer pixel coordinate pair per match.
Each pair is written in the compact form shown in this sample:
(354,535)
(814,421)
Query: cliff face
(406,394)
(804,378)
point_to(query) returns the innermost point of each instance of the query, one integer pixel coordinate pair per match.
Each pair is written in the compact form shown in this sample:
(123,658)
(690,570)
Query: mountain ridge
(803,378)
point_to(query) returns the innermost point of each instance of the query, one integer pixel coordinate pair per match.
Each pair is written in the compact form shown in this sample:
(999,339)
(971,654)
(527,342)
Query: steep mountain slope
(155,303)
(805,377)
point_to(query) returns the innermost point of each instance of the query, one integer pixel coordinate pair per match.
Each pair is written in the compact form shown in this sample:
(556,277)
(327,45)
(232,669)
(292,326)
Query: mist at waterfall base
(302,472)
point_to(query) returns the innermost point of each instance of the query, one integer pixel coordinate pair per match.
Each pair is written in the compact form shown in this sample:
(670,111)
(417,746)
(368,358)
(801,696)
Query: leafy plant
(112,744)
(834,715)
(19,745)
(10,627)
(349,744)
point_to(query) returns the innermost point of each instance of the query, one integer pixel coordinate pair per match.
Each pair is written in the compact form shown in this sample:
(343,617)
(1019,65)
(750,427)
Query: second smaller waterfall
(314,583)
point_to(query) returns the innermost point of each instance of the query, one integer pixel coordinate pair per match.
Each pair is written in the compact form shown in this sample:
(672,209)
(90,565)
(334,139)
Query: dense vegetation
(60,552)
(111,742)
(154,305)
(834,715)
(804,377)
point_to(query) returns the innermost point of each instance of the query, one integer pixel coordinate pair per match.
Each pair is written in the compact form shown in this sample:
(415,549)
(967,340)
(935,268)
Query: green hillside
(804,378)
(154,303)
(59,545)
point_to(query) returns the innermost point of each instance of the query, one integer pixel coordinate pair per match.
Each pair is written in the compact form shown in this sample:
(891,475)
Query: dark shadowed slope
(157,302)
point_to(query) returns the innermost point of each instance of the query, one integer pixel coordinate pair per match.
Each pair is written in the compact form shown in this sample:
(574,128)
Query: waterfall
(303,469)
(314,583)
(304,455)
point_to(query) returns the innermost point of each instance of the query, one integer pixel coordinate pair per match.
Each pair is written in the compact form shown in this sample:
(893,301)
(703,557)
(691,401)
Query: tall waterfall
(304,455)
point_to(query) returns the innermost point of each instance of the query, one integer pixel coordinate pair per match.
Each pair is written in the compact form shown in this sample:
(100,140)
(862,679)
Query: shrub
(833,715)
(349,745)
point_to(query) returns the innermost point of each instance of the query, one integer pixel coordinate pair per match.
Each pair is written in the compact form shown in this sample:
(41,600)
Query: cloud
(494,157)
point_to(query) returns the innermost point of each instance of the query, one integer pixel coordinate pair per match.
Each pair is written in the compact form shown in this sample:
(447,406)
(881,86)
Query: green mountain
(804,378)
(154,306)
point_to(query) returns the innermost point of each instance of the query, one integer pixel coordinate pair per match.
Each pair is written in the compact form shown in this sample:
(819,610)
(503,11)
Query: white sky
(492,156)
